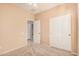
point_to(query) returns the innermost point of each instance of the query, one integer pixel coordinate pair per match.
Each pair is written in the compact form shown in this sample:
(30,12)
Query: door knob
(69,34)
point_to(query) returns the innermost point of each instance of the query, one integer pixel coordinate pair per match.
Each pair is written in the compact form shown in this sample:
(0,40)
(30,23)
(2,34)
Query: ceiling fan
(33,6)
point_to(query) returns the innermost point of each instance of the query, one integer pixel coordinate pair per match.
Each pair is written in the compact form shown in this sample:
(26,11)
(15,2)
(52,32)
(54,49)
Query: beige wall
(57,11)
(12,26)
(78,26)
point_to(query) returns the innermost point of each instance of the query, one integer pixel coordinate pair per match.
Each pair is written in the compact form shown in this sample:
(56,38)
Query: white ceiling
(40,6)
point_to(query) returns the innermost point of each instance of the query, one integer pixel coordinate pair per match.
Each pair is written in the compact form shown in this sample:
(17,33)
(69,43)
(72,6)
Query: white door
(37,31)
(60,32)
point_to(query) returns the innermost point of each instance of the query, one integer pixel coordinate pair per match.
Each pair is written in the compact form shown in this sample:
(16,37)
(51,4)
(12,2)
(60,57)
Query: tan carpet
(38,50)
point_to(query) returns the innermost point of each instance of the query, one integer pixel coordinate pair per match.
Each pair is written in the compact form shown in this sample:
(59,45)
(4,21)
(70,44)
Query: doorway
(30,30)
(34,31)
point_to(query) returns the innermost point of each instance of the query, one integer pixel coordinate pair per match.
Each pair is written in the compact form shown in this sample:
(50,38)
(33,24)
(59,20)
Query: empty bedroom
(39,29)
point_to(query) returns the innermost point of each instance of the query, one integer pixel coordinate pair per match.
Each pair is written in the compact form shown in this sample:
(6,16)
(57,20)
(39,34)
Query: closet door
(37,31)
(60,32)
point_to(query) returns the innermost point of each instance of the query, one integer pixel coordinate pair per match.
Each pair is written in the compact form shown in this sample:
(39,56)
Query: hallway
(37,50)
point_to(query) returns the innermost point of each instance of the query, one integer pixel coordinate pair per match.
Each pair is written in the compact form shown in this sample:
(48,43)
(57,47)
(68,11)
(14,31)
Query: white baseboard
(12,49)
(74,53)
(77,54)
